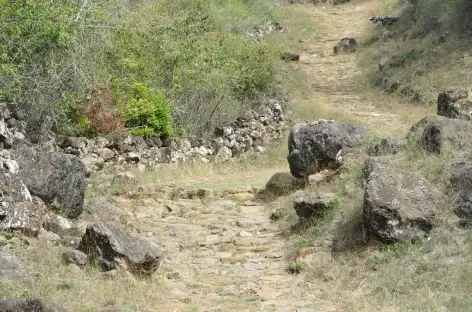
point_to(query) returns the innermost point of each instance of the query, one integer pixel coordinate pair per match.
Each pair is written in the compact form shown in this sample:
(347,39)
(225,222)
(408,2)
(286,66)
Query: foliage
(56,56)
(295,267)
(148,113)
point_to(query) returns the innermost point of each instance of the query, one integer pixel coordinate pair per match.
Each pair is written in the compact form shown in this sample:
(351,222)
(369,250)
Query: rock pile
(33,181)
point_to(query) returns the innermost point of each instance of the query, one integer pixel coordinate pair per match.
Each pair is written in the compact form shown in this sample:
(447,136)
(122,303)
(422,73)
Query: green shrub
(148,113)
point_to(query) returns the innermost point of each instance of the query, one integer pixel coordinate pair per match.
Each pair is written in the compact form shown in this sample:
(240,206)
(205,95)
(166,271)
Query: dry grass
(80,290)
(435,66)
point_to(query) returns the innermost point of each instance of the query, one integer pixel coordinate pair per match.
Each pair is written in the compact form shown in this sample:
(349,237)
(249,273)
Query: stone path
(226,254)
(223,255)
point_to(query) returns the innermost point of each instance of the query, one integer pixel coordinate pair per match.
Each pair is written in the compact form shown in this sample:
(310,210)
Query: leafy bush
(148,113)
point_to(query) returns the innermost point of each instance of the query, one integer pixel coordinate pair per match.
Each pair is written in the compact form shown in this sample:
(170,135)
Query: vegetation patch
(424,53)
(90,65)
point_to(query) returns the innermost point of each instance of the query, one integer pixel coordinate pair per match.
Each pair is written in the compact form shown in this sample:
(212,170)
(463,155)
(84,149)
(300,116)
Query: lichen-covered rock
(57,178)
(7,162)
(113,248)
(398,204)
(17,210)
(317,146)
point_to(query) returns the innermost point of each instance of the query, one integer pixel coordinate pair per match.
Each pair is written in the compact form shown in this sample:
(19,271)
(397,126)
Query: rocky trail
(226,254)
(223,247)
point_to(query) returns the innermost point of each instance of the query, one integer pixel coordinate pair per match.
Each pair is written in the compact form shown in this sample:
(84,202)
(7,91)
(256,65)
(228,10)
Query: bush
(148,113)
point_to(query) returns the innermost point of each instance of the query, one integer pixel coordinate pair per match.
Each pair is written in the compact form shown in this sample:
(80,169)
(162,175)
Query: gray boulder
(58,179)
(455,104)
(25,216)
(11,269)
(283,183)
(461,187)
(113,248)
(314,205)
(31,305)
(397,204)
(17,209)
(75,257)
(438,134)
(12,189)
(317,146)
(6,136)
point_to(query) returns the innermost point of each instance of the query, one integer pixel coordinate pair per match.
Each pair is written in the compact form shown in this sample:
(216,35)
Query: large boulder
(440,134)
(31,305)
(283,183)
(57,178)
(455,103)
(461,187)
(114,248)
(397,204)
(17,209)
(317,146)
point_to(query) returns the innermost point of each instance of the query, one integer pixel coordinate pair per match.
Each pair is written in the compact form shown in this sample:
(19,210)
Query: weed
(295,267)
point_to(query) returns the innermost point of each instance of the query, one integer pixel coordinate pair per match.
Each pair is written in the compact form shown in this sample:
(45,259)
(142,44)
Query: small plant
(295,267)
(464,221)
(332,204)
(65,285)
(9,234)
(148,113)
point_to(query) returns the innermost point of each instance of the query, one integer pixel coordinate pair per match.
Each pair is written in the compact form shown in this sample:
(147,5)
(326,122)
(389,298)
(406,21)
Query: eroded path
(226,254)
(223,255)
(336,81)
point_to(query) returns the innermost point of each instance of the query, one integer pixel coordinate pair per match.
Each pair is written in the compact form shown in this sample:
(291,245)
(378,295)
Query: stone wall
(251,132)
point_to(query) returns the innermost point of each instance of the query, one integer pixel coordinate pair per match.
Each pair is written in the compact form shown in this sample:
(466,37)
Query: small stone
(173,275)
(50,238)
(245,234)
(75,257)
(133,157)
(71,241)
